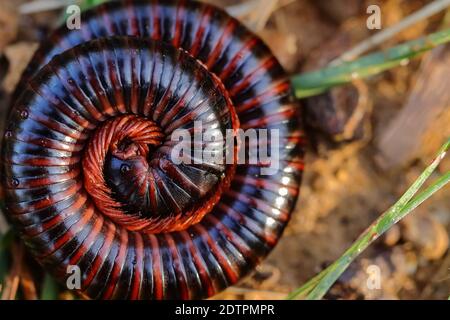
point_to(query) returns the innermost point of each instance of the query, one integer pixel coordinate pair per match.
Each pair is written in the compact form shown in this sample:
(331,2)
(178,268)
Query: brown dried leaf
(18,55)
(9,22)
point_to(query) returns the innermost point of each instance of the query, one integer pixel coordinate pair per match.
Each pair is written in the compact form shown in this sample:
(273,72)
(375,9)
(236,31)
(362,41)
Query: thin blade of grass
(43,5)
(319,285)
(316,82)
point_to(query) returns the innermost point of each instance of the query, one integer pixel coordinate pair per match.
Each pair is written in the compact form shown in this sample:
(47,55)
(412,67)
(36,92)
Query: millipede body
(87,169)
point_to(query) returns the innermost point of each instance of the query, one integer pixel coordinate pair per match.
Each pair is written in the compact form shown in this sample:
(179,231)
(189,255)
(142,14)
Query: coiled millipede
(87,171)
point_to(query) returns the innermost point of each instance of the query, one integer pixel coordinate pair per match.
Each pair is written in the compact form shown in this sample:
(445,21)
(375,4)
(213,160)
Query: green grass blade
(316,82)
(303,291)
(317,287)
(336,271)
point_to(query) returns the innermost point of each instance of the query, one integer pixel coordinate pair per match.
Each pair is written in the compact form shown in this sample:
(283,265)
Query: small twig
(315,82)
(363,107)
(13,279)
(380,37)
(44,5)
(241,9)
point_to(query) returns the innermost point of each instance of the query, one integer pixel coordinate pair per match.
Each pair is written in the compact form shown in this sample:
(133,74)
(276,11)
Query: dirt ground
(351,176)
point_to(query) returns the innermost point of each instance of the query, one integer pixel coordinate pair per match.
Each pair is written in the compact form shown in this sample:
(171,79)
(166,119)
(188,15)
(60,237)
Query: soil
(346,185)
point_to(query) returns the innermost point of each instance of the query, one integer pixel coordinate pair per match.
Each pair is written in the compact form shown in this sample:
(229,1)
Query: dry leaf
(8,24)
(18,55)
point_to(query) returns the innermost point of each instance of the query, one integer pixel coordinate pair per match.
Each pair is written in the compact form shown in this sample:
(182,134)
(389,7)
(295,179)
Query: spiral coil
(88,176)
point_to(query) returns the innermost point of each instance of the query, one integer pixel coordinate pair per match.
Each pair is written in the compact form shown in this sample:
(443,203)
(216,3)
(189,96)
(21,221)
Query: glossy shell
(183,232)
